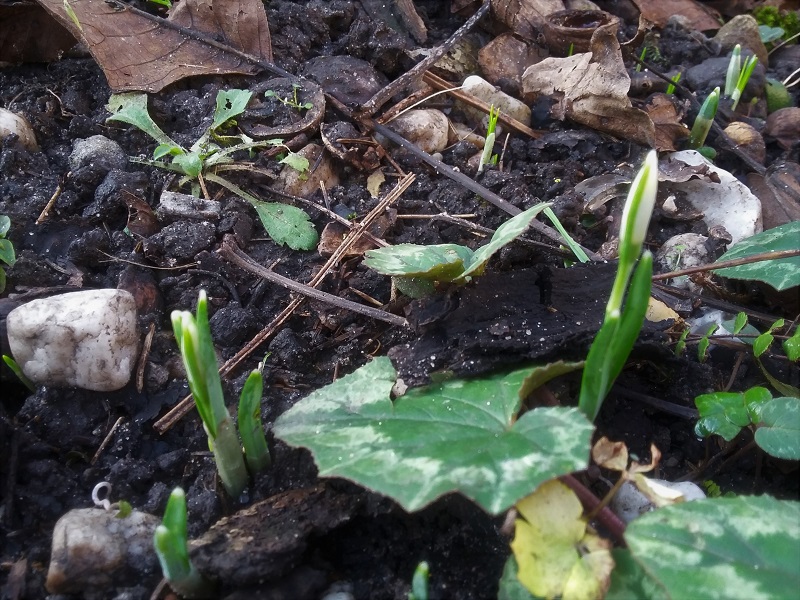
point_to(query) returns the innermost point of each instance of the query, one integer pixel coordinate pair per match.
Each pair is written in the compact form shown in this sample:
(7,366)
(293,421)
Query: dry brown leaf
(525,17)
(701,17)
(591,88)
(241,23)
(21,39)
(137,53)
(667,120)
(610,455)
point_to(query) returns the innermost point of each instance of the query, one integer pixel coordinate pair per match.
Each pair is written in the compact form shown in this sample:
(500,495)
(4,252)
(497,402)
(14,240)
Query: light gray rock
(86,339)
(97,148)
(427,128)
(174,206)
(93,549)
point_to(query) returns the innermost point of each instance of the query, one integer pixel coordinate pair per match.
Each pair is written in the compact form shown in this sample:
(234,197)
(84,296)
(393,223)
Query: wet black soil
(49,440)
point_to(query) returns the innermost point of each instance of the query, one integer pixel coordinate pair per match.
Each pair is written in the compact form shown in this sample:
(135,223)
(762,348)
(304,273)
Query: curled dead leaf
(137,53)
(592,89)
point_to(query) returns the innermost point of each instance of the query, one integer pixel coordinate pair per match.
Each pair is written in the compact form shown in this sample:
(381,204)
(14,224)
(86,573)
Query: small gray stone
(93,549)
(743,29)
(97,148)
(174,206)
(87,339)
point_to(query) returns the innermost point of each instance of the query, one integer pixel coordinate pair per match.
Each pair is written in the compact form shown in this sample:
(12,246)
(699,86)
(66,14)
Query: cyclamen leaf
(442,262)
(287,224)
(296,161)
(506,233)
(745,547)
(779,433)
(453,436)
(783,273)
(576,563)
(5,225)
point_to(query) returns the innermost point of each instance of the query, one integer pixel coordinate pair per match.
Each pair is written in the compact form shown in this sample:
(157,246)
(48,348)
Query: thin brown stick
(232,253)
(107,440)
(183,407)
(729,263)
(404,81)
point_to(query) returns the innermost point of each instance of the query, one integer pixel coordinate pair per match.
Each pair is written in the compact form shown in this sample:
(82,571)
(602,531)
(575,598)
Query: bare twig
(232,253)
(729,263)
(402,82)
(183,407)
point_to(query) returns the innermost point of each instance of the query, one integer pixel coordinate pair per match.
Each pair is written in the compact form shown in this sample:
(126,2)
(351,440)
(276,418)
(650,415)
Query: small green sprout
(194,340)
(642,56)
(737,75)
(702,124)
(213,153)
(256,452)
(165,3)
(704,343)
(614,341)
(171,544)
(488,145)
(7,254)
(292,102)
(12,364)
(419,582)
(675,79)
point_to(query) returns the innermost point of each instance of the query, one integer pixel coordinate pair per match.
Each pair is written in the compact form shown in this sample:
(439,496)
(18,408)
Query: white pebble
(86,339)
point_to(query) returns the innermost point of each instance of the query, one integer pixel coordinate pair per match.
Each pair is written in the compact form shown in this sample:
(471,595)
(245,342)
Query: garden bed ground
(360,541)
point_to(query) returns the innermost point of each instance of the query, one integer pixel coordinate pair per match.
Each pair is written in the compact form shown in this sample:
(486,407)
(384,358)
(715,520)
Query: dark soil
(352,537)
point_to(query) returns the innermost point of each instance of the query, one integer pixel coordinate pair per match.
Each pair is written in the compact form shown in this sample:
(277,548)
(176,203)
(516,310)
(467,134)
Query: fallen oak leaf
(591,88)
(138,52)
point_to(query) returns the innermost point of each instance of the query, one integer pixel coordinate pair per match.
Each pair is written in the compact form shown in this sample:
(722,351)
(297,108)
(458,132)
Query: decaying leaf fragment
(556,555)
(525,17)
(591,88)
(139,54)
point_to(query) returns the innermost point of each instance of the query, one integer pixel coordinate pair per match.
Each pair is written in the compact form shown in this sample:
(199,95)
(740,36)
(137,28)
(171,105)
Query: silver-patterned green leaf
(506,233)
(779,430)
(746,547)
(782,273)
(460,435)
(442,262)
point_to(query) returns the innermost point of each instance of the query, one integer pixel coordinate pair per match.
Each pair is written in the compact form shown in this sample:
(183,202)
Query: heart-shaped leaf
(460,435)
(744,547)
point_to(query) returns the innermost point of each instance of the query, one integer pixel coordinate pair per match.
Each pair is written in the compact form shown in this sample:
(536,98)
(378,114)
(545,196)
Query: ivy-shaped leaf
(725,413)
(779,428)
(441,262)
(459,435)
(783,273)
(743,547)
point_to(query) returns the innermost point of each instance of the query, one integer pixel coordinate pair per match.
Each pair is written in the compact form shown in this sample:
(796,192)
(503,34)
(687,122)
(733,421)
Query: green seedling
(702,124)
(419,582)
(165,3)
(171,544)
(738,75)
(256,452)
(12,364)
(675,79)
(704,343)
(415,268)
(614,341)
(7,254)
(290,102)
(213,153)
(488,145)
(776,420)
(197,350)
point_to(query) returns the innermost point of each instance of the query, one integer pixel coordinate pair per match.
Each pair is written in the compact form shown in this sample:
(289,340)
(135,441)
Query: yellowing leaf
(556,556)
(590,578)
